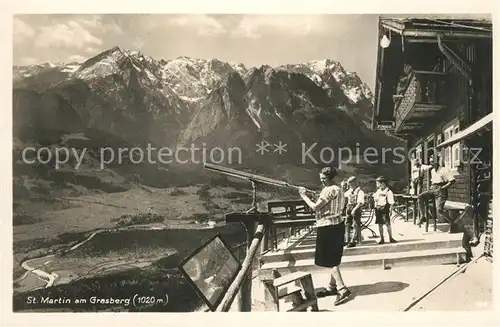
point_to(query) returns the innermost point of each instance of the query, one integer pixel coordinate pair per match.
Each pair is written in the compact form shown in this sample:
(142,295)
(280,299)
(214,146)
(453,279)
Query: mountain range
(123,98)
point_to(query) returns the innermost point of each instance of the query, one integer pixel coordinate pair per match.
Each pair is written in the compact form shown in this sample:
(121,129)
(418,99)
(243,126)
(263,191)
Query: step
(283,280)
(370,247)
(440,227)
(407,258)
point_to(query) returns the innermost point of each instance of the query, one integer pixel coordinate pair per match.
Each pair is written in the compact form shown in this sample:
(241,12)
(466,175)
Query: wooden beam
(430,110)
(392,25)
(428,72)
(420,117)
(446,33)
(447,26)
(427,24)
(431,40)
(424,115)
(425,111)
(410,40)
(462,66)
(422,106)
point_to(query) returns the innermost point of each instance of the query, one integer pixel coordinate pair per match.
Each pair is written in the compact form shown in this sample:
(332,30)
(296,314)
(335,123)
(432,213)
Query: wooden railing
(275,227)
(431,87)
(426,88)
(240,250)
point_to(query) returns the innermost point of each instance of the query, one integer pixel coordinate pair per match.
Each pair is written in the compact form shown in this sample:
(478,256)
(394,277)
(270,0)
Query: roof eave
(447,34)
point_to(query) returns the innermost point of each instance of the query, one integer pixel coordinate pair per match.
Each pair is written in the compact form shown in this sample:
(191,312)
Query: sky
(253,40)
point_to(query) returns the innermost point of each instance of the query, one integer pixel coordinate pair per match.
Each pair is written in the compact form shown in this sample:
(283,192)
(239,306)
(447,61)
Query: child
(384,199)
(355,200)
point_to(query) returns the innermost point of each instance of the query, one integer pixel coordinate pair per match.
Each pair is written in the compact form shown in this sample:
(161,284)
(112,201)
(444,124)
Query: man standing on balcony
(330,232)
(355,200)
(441,180)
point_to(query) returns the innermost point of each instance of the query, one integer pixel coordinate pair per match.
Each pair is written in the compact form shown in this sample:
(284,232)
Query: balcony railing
(423,89)
(282,234)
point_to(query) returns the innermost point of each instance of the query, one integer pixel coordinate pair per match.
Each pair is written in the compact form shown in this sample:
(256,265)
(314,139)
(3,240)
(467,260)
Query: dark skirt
(329,245)
(382,216)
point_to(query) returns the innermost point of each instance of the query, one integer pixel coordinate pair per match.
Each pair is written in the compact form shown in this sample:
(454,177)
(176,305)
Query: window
(456,155)
(439,140)
(452,154)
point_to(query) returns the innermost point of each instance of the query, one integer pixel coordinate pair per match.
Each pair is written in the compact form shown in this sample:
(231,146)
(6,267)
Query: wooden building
(434,89)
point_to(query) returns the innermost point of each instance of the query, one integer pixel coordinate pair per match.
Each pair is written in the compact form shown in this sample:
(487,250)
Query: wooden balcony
(422,98)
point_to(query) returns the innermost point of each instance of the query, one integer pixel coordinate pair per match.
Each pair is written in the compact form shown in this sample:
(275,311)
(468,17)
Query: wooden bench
(277,287)
(455,208)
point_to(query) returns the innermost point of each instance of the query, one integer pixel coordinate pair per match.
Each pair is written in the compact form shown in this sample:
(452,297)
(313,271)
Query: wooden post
(243,280)
(407,209)
(414,201)
(427,215)
(308,287)
(245,293)
(435,214)
(264,245)
(271,298)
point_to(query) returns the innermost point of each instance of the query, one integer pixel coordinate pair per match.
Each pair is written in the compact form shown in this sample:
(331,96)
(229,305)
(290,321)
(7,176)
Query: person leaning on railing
(441,180)
(417,176)
(330,232)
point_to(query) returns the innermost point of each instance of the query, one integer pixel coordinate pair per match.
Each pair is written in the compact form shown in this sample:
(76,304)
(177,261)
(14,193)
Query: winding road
(46,277)
(50,278)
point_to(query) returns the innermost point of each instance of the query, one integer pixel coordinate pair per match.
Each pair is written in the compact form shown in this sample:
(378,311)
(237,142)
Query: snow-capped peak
(319,66)
(70,68)
(192,78)
(320,70)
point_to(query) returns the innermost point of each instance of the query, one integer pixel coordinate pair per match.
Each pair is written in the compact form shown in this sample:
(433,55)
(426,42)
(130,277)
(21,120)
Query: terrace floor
(394,288)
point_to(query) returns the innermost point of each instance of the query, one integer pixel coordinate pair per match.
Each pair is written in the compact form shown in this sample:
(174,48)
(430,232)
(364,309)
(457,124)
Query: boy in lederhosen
(384,199)
(355,199)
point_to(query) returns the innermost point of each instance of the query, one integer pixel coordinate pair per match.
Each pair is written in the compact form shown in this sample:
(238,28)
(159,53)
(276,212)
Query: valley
(123,226)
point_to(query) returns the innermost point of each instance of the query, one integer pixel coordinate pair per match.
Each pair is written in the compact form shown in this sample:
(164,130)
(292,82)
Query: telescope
(252,177)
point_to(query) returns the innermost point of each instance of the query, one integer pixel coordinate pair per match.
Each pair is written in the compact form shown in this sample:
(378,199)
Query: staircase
(414,247)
